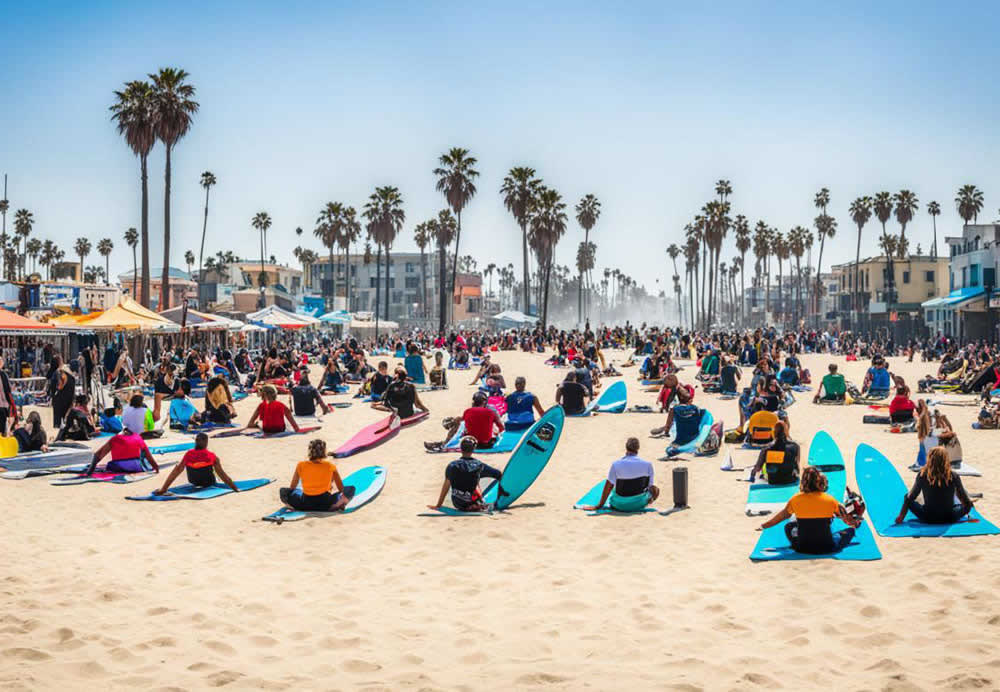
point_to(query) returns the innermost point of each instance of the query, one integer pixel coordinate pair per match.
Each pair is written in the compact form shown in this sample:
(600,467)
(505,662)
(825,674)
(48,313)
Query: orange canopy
(11,320)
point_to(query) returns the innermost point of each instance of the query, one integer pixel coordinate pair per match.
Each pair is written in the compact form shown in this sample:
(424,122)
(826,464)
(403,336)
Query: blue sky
(644,105)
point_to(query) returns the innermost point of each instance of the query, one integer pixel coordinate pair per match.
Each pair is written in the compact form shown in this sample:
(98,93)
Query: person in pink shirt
(129,454)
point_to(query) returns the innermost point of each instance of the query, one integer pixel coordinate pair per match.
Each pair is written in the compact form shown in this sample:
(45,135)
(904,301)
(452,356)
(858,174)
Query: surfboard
(593,496)
(703,429)
(528,460)
(765,498)
(507,442)
(105,477)
(369,436)
(614,399)
(367,483)
(415,418)
(193,492)
(883,489)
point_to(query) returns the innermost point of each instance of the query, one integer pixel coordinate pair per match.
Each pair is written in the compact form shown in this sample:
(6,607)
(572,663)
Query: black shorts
(203,476)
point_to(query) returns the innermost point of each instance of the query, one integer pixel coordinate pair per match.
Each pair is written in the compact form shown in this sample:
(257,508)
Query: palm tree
(32,248)
(207,182)
(328,227)
(132,240)
(444,229)
(779,246)
(4,208)
(173,109)
(456,181)
(723,189)
(741,227)
(934,209)
(82,248)
(104,248)
(762,252)
(718,223)
(47,257)
(969,203)
(826,227)
(519,189)
(189,260)
(350,231)
(423,234)
(882,206)
(797,248)
(24,221)
(674,252)
(385,216)
(906,205)
(134,112)
(587,212)
(488,272)
(692,247)
(861,212)
(308,258)
(261,221)
(548,224)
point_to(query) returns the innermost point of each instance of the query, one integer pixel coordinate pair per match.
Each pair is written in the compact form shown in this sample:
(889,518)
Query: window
(474,305)
(397,297)
(413,282)
(929,277)
(951,281)
(372,282)
(906,277)
(965,272)
(326,286)
(409,267)
(974,275)
(989,277)
(930,292)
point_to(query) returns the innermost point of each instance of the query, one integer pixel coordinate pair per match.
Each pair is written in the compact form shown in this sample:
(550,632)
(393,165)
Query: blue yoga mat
(505,445)
(703,429)
(593,496)
(883,491)
(171,449)
(191,492)
(773,545)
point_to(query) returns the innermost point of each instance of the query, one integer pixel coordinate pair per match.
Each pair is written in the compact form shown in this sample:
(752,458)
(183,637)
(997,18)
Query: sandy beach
(100,593)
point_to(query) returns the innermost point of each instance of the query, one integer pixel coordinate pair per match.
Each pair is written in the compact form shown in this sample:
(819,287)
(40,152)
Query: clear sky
(643,104)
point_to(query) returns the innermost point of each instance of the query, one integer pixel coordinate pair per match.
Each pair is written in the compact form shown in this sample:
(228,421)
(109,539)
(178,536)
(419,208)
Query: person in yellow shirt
(317,477)
(814,511)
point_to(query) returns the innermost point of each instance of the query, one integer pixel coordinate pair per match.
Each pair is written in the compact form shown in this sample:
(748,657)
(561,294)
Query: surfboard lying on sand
(369,436)
(366,483)
(193,492)
(765,498)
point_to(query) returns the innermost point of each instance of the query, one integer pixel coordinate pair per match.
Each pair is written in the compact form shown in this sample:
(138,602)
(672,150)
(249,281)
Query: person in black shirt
(572,395)
(781,458)
(462,476)
(304,397)
(940,488)
(400,397)
(729,376)
(380,381)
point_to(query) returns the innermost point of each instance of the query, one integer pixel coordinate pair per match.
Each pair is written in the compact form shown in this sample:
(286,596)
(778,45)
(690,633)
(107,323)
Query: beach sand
(100,593)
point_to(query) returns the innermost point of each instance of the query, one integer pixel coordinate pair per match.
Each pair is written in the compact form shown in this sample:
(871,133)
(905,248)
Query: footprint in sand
(356,665)
(263,640)
(871,611)
(25,654)
(220,647)
(540,679)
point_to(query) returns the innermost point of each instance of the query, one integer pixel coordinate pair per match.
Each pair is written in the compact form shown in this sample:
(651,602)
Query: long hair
(780,432)
(937,471)
(923,424)
(813,480)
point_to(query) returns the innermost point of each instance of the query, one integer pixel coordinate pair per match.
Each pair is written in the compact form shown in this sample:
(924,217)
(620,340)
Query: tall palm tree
(261,222)
(456,181)
(718,223)
(47,257)
(797,248)
(134,113)
(104,248)
(692,248)
(423,234)
(861,213)
(548,224)
(207,181)
(588,210)
(4,208)
(132,240)
(32,248)
(488,273)
(779,246)
(189,260)
(762,252)
(519,189)
(444,229)
(24,221)
(723,189)
(82,248)
(826,227)
(385,216)
(350,232)
(674,252)
(328,227)
(906,205)
(934,209)
(969,202)
(741,227)
(174,108)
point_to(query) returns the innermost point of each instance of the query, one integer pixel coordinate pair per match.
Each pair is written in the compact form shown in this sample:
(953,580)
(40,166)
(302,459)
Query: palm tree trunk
(260,278)
(135,271)
(442,273)
(934,246)
(201,251)
(333,280)
(107,270)
(527,271)
(423,285)
(856,302)
(743,290)
(454,260)
(388,271)
(701,294)
(164,270)
(144,224)
(378,283)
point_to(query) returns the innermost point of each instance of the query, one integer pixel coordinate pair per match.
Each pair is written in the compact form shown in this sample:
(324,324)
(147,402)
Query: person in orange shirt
(317,477)
(814,511)
(271,413)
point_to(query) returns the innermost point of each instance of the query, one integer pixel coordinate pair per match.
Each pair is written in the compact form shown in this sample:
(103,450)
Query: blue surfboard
(508,441)
(593,496)
(824,453)
(367,483)
(703,429)
(528,460)
(883,491)
(614,399)
(192,492)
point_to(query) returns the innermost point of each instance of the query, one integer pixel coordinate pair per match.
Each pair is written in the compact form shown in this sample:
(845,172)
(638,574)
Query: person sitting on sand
(271,413)
(833,387)
(729,376)
(480,422)
(379,381)
(202,467)
(779,460)
(129,454)
(414,364)
(878,379)
(138,417)
(78,424)
(901,407)
(333,378)
(400,396)
(789,375)
(303,397)
(31,435)
(485,366)
(219,405)
(940,489)
(318,477)
(686,415)
(438,375)
(183,413)
(462,477)
(630,482)
(572,395)
(814,510)
(521,405)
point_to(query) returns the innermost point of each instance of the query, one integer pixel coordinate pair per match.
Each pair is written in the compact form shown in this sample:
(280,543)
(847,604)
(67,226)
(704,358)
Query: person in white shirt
(629,487)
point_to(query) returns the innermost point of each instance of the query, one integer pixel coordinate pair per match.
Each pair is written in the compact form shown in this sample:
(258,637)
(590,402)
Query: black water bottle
(680,487)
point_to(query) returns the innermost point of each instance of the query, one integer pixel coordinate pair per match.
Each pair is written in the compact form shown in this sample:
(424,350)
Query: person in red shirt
(901,407)
(479,420)
(201,466)
(271,413)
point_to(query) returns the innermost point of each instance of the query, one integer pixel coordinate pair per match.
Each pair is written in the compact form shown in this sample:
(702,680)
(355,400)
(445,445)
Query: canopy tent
(200,320)
(12,324)
(336,317)
(955,298)
(129,315)
(512,319)
(273,316)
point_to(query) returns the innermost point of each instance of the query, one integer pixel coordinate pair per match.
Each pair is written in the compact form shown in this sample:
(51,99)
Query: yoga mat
(367,483)
(104,477)
(261,435)
(509,440)
(773,545)
(883,489)
(703,429)
(593,496)
(192,492)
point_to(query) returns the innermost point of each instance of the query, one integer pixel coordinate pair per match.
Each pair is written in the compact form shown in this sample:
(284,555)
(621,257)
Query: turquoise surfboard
(367,483)
(614,399)
(824,453)
(528,460)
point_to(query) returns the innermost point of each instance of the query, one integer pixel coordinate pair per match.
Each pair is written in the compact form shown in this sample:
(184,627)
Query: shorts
(126,466)
(628,503)
(203,476)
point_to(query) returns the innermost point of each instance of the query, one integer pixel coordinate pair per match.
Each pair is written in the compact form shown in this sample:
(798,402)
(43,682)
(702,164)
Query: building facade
(965,309)
(182,287)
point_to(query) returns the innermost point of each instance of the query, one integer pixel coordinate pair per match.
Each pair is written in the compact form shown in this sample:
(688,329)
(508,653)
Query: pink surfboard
(415,418)
(369,436)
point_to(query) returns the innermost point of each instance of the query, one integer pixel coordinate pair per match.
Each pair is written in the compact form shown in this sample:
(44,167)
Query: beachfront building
(917,278)
(966,309)
(182,287)
(468,298)
(406,285)
(237,285)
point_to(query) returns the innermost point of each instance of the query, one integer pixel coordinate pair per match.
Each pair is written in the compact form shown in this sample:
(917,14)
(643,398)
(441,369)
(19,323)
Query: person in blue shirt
(182,412)
(521,405)
(789,374)
(686,415)
(878,380)
(414,364)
